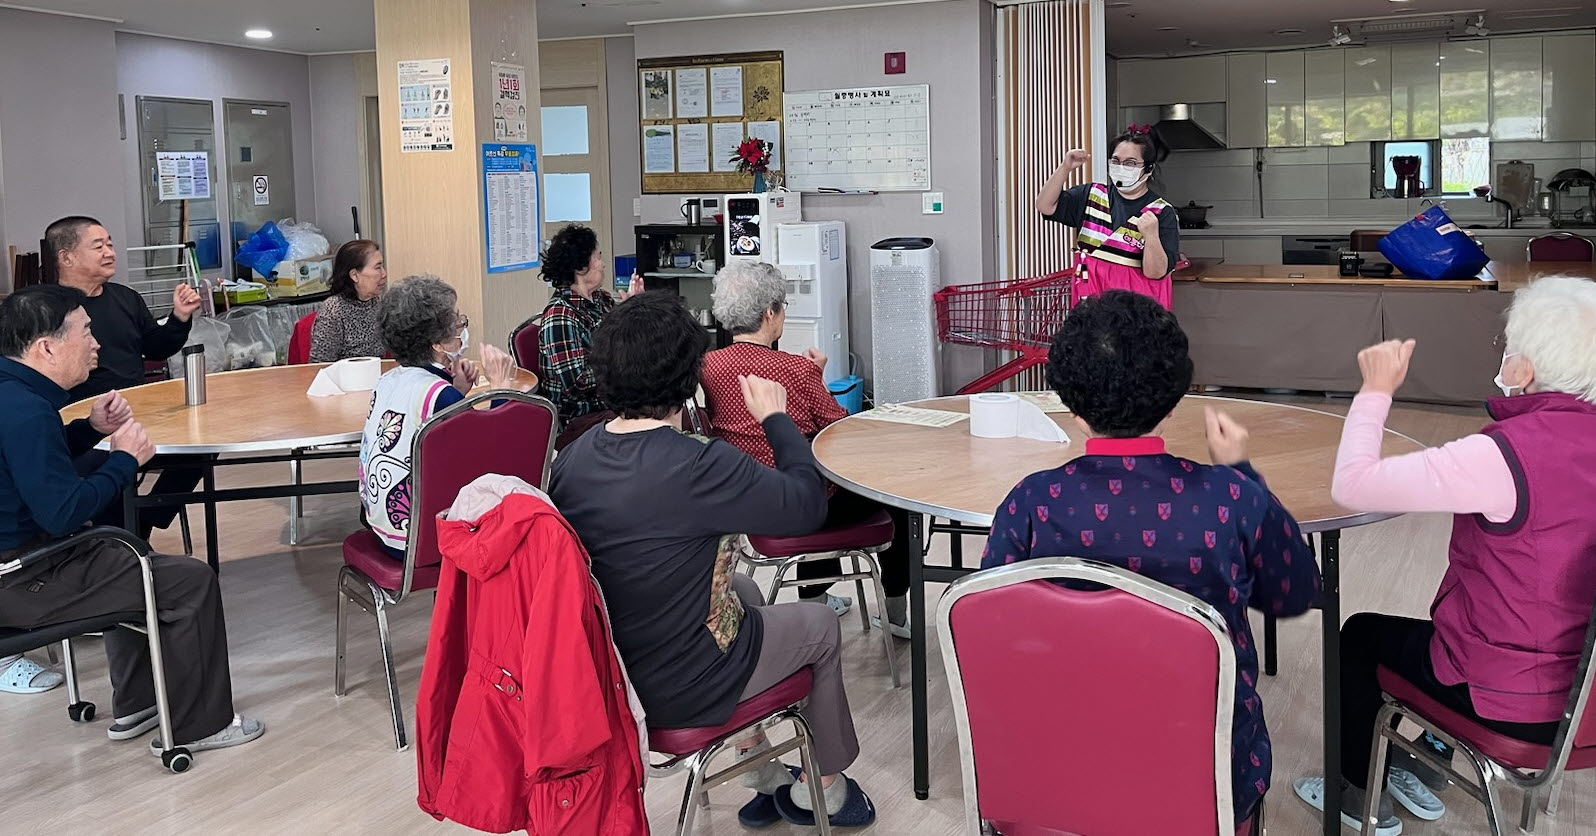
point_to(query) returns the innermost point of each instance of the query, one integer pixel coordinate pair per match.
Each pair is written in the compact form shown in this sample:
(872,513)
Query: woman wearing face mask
(1508,622)
(1129,237)
(428,337)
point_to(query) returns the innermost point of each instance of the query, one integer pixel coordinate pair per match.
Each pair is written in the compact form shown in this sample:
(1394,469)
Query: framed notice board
(695,110)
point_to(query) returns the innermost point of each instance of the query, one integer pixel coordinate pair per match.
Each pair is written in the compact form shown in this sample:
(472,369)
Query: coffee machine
(1407,176)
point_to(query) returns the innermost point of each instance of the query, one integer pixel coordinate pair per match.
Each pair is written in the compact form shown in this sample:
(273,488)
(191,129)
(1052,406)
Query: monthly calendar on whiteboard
(867,138)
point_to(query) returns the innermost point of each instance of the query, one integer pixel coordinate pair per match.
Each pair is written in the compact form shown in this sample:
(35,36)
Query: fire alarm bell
(897,63)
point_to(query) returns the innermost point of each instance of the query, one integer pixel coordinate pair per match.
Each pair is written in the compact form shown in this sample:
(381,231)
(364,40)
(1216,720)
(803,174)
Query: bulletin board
(859,139)
(695,110)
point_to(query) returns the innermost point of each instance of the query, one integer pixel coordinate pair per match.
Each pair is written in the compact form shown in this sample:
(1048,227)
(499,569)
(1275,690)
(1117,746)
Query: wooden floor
(328,765)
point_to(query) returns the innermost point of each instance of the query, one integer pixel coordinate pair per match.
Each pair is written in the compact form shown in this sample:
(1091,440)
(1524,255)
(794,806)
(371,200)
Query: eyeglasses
(1131,163)
(462,323)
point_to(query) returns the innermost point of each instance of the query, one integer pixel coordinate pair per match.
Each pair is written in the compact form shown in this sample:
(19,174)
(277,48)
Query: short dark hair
(66,233)
(33,312)
(414,316)
(1120,362)
(646,354)
(568,254)
(351,257)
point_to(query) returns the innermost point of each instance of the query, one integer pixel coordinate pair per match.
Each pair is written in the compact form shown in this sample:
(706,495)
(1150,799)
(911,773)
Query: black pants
(102,577)
(1369,640)
(178,475)
(848,509)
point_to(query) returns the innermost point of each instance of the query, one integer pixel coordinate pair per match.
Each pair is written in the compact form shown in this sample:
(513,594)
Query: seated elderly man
(750,299)
(46,348)
(1507,627)
(659,512)
(427,334)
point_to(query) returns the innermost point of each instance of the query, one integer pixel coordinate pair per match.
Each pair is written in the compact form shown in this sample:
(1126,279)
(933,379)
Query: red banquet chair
(693,748)
(526,346)
(1496,758)
(299,343)
(1105,674)
(450,450)
(1560,246)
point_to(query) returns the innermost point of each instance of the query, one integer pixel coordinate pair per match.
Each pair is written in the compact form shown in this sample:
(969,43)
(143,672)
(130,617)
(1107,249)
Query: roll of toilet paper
(357,374)
(994,415)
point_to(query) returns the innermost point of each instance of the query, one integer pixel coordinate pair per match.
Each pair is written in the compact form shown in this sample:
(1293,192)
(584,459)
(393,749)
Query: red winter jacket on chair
(523,720)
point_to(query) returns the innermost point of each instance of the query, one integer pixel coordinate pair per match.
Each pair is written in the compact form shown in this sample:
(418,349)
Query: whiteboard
(862,138)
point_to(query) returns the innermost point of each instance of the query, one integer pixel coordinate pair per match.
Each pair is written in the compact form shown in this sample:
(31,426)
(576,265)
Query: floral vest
(401,403)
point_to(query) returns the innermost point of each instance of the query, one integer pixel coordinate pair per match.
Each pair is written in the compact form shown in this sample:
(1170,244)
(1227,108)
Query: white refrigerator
(814,258)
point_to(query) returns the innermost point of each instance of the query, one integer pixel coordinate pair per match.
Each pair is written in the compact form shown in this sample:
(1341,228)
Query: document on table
(1045,401)
(899,414)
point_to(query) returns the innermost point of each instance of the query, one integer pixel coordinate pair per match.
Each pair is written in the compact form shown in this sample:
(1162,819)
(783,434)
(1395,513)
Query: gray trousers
(798,635)
(102,577)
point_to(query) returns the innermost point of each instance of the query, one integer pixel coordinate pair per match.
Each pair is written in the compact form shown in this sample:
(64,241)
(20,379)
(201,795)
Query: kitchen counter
(1269,227)
(1301,326)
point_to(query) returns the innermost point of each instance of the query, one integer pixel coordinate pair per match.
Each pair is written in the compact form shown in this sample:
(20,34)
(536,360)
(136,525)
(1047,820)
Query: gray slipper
(242,730)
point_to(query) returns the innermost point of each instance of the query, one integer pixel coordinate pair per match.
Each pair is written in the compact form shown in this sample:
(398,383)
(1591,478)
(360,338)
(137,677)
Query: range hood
(1183,127)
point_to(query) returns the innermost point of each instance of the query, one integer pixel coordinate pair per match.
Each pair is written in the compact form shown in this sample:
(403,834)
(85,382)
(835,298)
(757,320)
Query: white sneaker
(839,605)
(1311,790)
(1412,793)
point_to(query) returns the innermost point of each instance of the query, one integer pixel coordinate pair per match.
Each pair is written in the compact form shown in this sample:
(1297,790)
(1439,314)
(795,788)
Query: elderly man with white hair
(750,300)
(1508,624)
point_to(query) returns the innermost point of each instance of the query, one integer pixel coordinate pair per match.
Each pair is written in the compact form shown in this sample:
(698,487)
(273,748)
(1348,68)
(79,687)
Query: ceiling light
(258,34)
(1288,31)
(1271,81)
(1169,28)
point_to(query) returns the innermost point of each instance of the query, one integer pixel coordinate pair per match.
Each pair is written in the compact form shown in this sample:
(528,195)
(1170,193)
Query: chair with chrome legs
(693,749)
(1106,671)
(861,544)
(175,758)
(453,448)
(1496,759)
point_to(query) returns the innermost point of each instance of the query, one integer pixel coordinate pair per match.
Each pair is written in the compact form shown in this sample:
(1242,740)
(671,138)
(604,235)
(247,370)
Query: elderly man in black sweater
(128,335)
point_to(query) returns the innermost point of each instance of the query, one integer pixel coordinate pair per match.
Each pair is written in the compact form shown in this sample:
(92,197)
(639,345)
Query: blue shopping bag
(1431,246)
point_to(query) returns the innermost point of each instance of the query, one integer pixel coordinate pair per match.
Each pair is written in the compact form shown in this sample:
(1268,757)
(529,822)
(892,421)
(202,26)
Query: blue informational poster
(512,205)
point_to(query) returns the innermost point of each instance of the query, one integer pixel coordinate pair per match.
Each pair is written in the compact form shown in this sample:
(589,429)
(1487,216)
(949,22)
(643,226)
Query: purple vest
(1512,610)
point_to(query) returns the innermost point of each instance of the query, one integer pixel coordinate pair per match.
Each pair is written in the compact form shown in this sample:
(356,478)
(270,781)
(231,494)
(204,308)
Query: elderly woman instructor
(1129,237)
(1508,623)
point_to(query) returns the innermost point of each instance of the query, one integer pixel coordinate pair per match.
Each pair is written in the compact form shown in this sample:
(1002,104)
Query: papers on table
(899,414)
(1045,401)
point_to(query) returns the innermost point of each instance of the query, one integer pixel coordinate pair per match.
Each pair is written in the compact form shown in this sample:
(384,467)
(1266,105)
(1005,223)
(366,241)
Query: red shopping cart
(1019,316)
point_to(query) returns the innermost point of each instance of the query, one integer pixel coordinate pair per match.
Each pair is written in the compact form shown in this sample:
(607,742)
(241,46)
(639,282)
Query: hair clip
(1138,130)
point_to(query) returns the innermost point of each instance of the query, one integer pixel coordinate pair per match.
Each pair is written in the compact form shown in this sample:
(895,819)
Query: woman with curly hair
(659,511)
(1120,364)
(574,265)
(428,336)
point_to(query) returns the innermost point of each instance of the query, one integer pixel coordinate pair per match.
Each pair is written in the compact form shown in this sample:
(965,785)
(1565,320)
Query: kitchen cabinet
(1516,89)
(1326,89)
(1368,93)
(1415,91)
(1195,80)
(1465,88)
(1568,88)
(1285,99)
(1246,123)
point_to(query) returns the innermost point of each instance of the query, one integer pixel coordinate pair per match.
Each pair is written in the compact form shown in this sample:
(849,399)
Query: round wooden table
(265,412)
(944,472)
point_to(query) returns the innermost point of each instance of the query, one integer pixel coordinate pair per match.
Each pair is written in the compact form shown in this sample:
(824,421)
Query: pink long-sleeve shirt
(1467,476)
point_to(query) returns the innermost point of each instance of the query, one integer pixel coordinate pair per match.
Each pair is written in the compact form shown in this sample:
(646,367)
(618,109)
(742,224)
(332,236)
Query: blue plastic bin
(849,391)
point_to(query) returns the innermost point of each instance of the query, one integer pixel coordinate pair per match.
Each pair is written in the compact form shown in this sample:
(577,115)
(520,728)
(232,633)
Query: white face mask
(1507,391)
(465,342)
(1126,178)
